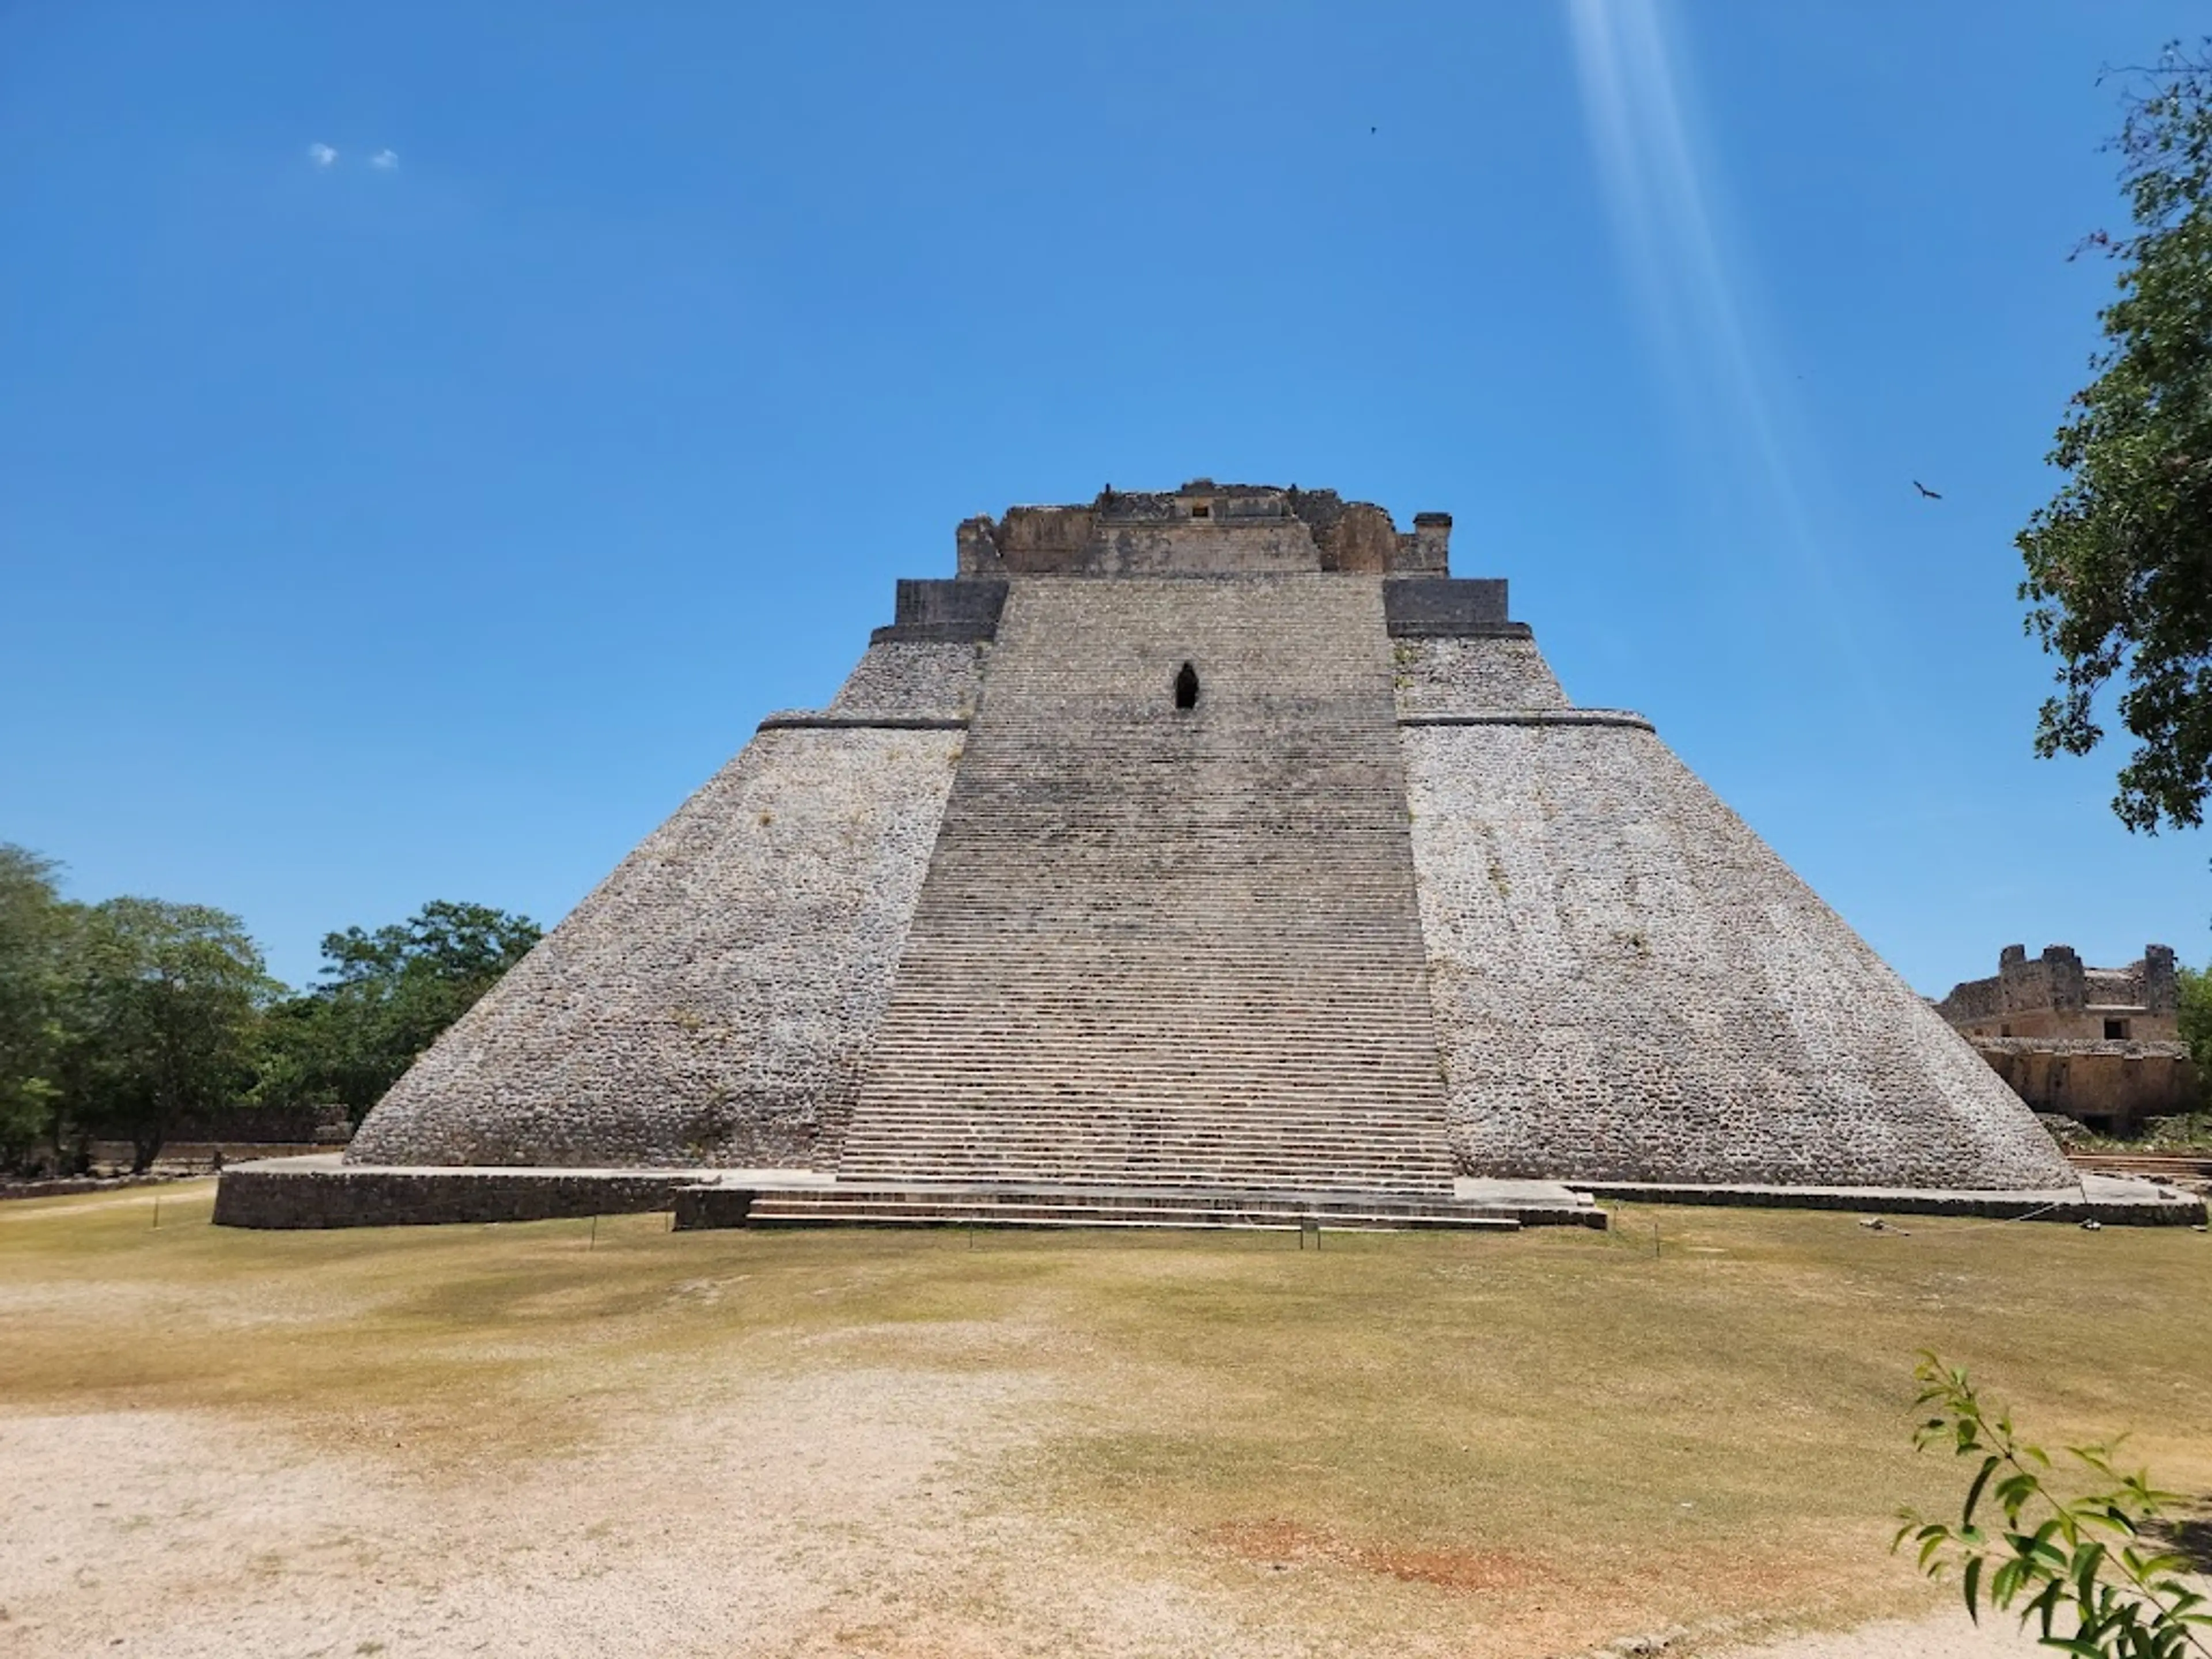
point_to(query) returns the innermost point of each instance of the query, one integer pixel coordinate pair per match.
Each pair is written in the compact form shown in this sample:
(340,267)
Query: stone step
(1046,1138)
(712,1205)
(952,1216)
(992,1161)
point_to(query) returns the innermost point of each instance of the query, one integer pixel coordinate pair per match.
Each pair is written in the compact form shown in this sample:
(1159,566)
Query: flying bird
(1932,495)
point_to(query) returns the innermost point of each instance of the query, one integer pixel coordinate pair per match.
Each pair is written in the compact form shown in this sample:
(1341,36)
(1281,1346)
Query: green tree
(386,996)
(2119,562)
(161,1018)
(35,930)
(2193,1013)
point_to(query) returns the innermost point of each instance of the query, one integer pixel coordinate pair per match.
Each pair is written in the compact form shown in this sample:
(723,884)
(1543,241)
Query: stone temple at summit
(1220,840)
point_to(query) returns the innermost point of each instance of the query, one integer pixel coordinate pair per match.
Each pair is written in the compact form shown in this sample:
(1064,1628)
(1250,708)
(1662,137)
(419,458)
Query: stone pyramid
(1216,838)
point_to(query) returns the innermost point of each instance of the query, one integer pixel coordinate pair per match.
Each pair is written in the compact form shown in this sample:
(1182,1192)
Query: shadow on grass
(2190,1538)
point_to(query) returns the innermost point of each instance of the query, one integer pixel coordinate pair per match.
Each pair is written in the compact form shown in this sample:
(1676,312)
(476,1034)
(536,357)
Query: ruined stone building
(1213,839)
(2101,1045)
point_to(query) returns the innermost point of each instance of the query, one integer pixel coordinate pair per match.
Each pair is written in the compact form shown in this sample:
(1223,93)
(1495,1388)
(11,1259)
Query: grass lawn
(911,1443)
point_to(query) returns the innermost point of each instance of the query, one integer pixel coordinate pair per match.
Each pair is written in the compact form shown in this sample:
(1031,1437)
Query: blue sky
(372,533)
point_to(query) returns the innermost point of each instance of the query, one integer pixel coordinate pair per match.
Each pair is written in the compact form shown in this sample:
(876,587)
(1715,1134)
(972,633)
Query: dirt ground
(556,1440)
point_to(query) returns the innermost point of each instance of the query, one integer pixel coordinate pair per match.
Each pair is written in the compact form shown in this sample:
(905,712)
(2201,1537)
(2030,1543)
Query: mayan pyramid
(1217,838)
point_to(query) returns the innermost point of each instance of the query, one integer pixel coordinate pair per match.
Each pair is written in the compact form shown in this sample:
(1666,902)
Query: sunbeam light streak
(1664,217)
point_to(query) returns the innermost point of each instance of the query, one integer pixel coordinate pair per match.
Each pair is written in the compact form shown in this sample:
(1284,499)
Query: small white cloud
(321,155)
(385,160)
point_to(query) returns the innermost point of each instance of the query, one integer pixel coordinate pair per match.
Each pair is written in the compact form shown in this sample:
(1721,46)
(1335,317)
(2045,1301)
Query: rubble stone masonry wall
(1631,985)
(2055,996)
(914,678)
(1457,676)
(2114,1086)
(711,1002)
(277,1194)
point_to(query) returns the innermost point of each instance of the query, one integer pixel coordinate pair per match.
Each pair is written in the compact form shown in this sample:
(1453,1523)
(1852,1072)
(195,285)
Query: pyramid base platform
(2109,1200)
(321,1191)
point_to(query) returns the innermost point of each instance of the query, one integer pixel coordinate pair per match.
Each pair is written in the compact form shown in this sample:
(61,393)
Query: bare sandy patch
(550,1439)
(1946,1635)
(834,1514)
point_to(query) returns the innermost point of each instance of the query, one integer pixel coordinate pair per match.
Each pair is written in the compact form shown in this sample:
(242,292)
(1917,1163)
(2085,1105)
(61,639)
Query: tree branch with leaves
(2087,1560)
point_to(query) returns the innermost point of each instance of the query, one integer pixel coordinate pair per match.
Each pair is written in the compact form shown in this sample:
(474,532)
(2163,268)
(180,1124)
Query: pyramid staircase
(1167,948)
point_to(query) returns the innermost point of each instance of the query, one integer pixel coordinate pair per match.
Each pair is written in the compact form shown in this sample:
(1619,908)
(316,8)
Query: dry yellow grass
(907,1443)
